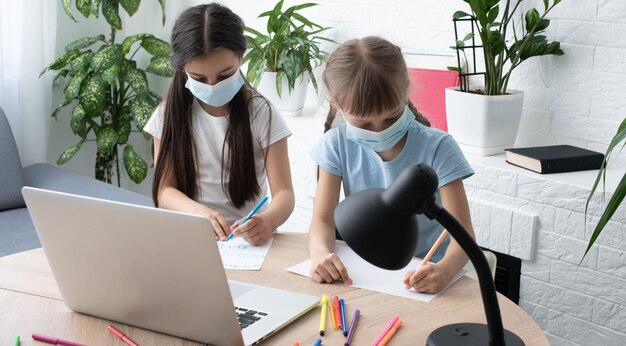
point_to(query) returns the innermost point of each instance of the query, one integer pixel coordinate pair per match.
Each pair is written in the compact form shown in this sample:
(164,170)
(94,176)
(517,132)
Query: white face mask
(382,140)
(216,95)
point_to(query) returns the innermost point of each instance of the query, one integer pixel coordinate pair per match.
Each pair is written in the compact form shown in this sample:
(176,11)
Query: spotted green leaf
(110,11)
(69,153)
(73,87)
(131,6)
(84,7)
(156,47)
(92,94)
(110,74)
(95,7)
(106,57)
(61,61)
(140,109)
(136,167)
(125,126)
(128,41)
(62,73)
(78,122)
(83,42)
(160,66)
(66,7)
(106,138)
(80,62)
(137,80)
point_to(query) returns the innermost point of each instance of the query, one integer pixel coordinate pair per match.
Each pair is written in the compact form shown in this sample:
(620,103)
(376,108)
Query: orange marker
(337,312)
(390,334)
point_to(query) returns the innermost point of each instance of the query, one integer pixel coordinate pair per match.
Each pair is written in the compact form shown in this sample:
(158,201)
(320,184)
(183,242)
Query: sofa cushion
(17,232)
(11,179)
(45,176)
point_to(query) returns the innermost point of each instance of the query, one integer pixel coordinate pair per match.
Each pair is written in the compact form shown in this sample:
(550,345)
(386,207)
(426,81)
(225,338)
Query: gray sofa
(17,232)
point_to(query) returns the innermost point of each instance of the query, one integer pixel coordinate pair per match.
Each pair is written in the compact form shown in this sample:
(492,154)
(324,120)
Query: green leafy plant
(620,191)
(112,91)
(290,48)
(504,46)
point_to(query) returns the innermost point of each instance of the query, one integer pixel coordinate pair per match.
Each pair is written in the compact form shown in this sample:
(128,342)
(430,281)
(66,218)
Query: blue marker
(258,206)
(318,342)
(344,325)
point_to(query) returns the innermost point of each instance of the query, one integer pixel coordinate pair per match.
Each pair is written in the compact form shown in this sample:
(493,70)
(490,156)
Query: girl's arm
(259,228)
(326,266)
(170,197)
(434,277)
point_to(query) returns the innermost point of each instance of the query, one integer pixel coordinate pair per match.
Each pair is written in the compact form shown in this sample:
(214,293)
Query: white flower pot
(483,125)
(288,103)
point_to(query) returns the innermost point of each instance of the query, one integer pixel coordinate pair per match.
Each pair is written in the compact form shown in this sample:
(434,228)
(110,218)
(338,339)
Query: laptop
(153,268)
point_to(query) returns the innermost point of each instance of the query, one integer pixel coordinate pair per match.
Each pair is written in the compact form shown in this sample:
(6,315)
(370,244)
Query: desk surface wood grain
(31,303)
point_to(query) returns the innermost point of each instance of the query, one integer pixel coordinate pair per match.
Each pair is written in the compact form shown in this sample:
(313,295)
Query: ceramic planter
(289,103)
(483,125)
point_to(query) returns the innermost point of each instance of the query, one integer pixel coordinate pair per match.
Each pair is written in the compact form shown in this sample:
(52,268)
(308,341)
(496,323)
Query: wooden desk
(30,302)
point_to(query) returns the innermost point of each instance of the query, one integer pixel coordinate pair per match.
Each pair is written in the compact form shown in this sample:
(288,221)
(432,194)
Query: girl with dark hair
(217,141)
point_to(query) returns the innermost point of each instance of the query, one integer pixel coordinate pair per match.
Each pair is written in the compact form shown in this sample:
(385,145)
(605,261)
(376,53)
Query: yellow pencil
(323,315)
(390,334)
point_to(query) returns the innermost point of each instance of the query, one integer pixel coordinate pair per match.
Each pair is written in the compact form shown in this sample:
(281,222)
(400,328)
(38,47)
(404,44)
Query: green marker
(17,341)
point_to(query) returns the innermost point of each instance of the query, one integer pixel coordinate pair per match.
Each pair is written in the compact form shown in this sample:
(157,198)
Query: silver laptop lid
(142,266)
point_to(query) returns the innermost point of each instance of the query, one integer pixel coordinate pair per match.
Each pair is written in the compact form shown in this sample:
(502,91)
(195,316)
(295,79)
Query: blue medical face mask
(385,139)
(216,95)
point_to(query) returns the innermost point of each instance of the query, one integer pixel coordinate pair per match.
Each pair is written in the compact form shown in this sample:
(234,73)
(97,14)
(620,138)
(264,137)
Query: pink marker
(55,341)
(385,331)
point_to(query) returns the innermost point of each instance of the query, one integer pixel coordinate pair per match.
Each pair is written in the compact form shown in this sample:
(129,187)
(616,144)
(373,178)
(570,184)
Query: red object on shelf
(427,92)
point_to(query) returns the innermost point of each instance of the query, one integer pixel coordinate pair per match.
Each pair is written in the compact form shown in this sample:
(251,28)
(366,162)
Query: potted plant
(281,62)
(112,91)
(618,196)
(484,120)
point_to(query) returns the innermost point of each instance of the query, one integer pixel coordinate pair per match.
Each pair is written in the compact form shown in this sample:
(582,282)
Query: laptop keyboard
(247,317)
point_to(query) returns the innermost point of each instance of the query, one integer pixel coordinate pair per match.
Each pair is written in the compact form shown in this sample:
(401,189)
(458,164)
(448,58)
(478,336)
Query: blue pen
(258,206)
(318,342)
(344,325)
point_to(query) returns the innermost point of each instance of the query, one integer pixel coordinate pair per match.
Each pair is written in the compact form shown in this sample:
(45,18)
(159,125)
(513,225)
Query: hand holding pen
(253,229)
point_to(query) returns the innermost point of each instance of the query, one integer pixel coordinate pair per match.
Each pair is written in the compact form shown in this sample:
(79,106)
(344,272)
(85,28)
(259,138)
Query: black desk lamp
(380,225)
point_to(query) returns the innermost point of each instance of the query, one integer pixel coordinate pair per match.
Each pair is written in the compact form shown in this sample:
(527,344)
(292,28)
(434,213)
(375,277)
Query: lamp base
(468,334)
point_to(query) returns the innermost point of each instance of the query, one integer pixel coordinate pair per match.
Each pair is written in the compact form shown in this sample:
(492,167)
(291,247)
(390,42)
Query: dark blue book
(554,158)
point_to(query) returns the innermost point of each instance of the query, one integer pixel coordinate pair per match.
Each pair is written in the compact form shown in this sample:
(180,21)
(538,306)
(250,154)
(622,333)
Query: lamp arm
(485,280)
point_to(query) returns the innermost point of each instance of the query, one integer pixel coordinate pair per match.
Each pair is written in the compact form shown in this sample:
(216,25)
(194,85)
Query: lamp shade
(380,225)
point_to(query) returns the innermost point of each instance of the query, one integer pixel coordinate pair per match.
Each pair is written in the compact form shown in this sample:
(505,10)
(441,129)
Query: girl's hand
(220,226)
(327,268)
(256,231)
(429,279)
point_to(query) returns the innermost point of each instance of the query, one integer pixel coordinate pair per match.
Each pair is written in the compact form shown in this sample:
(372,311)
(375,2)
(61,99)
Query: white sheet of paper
(368,276)
(237,254)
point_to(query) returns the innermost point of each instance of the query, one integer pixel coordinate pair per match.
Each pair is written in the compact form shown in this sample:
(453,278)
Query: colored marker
(391,333)
(296,344)
(355,318)
(337,312)
(55,341)
(385,331)
(121,335)
(17,341)
(324,303)
(342,308)
(331,312)
(256,208)
(318,342)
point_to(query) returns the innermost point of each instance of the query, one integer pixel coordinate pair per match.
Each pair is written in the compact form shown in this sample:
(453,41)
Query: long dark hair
(198,31)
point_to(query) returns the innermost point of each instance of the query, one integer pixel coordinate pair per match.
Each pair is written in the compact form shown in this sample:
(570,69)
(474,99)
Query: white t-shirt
(209,132)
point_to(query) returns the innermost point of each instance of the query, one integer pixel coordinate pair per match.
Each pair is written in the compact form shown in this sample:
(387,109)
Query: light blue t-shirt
(361,169)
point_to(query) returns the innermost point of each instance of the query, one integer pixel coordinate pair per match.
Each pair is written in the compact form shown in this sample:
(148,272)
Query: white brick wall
(574,303)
